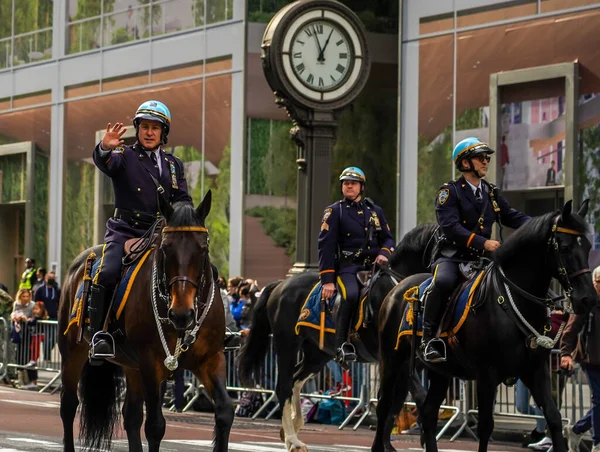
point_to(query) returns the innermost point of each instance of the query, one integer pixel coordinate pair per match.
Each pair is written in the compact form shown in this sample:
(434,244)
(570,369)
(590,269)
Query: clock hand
(322,52)
(318,43)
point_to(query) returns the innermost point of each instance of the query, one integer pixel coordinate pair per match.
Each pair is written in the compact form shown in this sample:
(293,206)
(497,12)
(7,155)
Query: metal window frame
(570,73)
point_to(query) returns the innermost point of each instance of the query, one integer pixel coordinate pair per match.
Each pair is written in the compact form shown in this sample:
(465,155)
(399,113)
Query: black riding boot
(344,349)
(101,343)
(434,349)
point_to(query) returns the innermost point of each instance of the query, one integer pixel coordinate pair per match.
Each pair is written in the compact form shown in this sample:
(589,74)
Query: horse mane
(536,231)
(184,214)
(414,241)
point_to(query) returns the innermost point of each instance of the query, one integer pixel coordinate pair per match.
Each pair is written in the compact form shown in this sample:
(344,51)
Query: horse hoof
(302,448)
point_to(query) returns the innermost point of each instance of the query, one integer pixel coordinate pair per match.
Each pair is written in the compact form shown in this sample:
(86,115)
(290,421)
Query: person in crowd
(581,343)
(49,295)
(40,276)
(21,337)
(229,320)
(28,278)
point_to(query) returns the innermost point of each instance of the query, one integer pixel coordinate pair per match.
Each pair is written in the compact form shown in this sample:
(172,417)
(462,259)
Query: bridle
(564,279)
(196,284)
(161,291)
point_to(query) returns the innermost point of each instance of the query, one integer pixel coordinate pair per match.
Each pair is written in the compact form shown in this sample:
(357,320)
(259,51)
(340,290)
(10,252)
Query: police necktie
(155,162)
(478,194)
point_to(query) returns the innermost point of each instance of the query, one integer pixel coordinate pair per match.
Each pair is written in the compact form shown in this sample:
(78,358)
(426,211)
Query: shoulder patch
(118,150)
(443,196)
(326,215)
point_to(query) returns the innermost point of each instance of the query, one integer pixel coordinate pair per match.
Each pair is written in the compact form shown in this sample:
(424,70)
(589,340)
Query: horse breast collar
(171,361)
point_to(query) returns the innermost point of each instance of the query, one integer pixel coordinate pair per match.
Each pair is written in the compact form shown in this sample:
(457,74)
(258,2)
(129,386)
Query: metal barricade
(36,351)
(4,344)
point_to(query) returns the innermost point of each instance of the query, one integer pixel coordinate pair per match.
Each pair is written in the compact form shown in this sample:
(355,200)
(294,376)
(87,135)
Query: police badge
(173,175)
(443,196)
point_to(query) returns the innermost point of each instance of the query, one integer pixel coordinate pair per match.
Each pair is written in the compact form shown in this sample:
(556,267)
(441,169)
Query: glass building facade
(68,67)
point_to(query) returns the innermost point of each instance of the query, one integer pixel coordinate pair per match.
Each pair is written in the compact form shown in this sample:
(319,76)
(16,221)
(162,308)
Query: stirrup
(430,349)
(102,336)
(346,353)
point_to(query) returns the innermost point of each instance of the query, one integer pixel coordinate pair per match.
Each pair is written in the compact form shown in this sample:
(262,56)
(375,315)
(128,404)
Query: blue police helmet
(467,148)
(353,173)
(154,111)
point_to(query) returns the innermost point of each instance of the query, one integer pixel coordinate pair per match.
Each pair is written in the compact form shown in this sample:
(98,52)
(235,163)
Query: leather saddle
(135,248)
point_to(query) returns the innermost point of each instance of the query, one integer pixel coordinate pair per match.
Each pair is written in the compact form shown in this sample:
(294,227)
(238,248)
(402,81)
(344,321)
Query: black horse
(277,311)
(497,340)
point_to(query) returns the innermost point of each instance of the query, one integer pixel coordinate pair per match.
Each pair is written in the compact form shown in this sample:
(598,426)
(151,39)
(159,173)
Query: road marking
(33,403)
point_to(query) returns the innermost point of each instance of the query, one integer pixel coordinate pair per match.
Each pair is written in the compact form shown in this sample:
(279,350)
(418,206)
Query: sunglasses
(482,157)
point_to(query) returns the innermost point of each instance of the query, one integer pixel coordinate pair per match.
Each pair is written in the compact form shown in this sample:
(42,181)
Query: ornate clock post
(315,59)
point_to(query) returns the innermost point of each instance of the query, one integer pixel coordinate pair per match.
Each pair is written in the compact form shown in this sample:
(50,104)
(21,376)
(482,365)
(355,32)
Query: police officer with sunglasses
(466,210)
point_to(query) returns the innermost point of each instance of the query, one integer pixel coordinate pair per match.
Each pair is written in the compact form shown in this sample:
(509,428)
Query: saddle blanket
(121,295)
(461,309)
(312,317)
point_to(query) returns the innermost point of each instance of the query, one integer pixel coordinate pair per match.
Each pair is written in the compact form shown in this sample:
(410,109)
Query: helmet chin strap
(473,170)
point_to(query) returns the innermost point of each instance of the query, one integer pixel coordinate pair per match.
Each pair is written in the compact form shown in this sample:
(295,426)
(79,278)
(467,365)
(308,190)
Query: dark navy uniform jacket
(344,229)
(458,214)
(134,189)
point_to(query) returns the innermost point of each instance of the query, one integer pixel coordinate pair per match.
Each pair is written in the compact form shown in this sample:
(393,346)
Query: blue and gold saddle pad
(311,315)
(461,309)
(121,296)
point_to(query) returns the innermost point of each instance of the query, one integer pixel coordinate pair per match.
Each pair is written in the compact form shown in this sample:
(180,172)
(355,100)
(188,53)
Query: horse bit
(565,280)
(171,361)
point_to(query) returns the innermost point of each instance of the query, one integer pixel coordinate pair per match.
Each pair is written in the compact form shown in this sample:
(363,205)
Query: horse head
(183,250)
(571,250)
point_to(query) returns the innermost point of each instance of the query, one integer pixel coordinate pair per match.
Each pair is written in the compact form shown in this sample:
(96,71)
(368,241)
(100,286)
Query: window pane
(173,15)
(124,26)
(32,15)
(84,36)
(33,47)
(82,9)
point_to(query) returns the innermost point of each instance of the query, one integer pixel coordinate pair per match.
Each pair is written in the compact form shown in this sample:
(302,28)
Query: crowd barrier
(357,389)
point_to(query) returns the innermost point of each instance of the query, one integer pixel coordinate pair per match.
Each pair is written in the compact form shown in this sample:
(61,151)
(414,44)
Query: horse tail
(100,387)
(250,361)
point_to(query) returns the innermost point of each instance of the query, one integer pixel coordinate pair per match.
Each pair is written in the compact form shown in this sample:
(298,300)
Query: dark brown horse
(172,302)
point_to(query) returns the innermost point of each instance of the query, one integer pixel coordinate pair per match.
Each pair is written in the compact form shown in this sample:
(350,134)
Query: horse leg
(213,374)
(313,361)
(133,410)
(284,391)
(436,393)
(390,398)
(70,374)
(540,386)
(155,425)
(486,395)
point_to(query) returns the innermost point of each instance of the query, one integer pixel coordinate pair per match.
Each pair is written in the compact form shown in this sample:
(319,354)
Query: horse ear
(567,209)
(164,206)
(582,212)
(204,207)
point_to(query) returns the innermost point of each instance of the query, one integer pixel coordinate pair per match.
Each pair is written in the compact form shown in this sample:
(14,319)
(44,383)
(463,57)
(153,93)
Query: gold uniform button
(139,189)
(137,214)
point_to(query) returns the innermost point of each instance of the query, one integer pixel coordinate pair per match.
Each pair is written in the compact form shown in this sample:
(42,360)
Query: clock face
(321,55)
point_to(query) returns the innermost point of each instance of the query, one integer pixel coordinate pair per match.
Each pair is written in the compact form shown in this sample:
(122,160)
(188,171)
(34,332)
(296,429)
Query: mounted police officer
(466,210)
(139,174)
(354,234)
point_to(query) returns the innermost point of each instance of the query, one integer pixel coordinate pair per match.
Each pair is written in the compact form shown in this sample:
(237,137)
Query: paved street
(31,422)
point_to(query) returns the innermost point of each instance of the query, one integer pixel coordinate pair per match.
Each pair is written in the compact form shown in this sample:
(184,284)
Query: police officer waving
(354,234)
(466,210)
(137,173)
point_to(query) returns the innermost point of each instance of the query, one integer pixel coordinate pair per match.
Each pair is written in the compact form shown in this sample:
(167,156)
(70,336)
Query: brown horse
(172,302)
